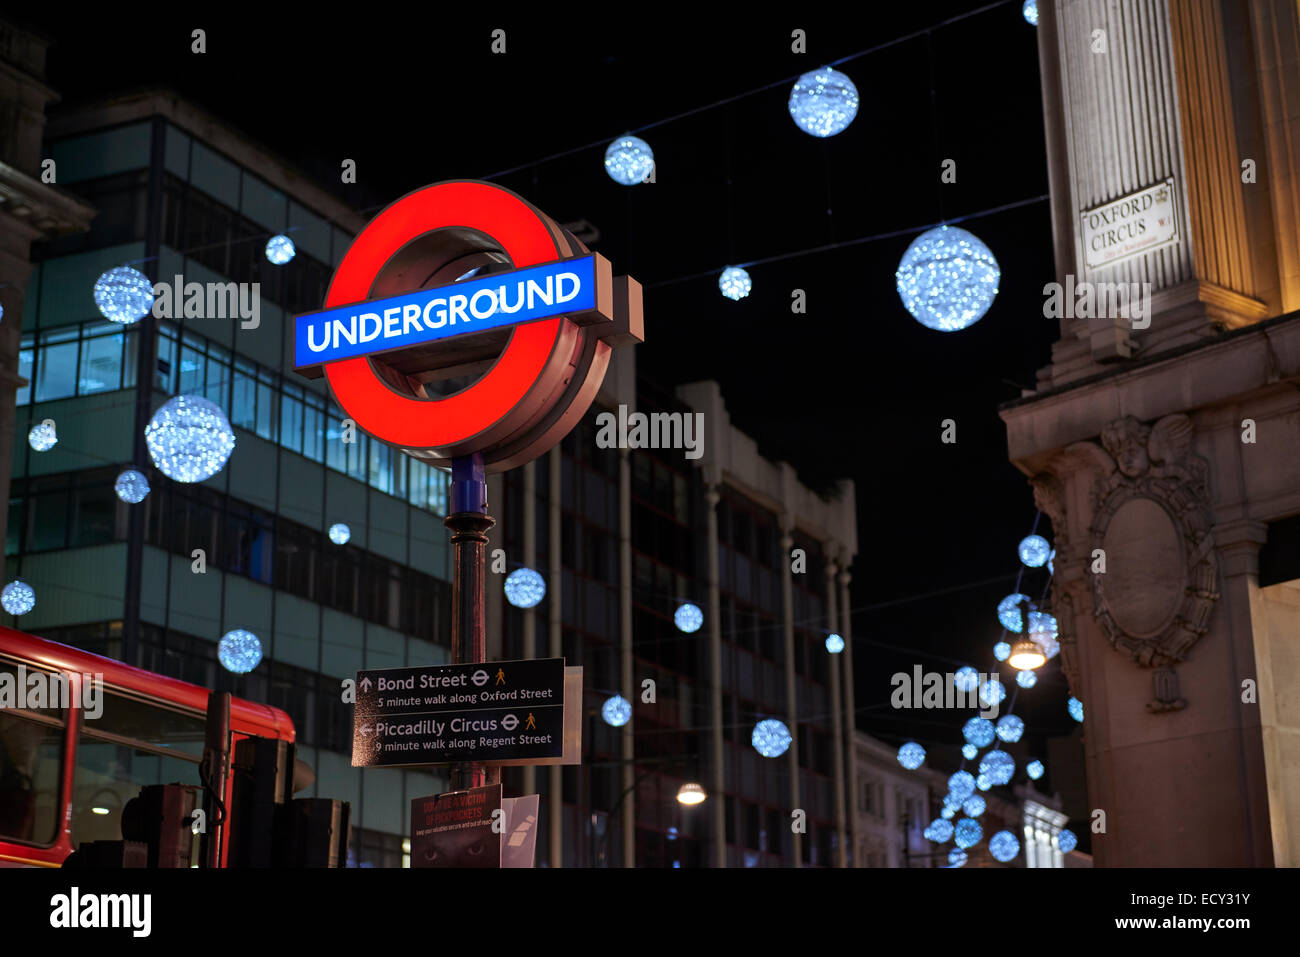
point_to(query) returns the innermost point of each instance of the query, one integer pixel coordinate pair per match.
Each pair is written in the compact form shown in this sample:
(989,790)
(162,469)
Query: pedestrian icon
(531,724)
(501,676)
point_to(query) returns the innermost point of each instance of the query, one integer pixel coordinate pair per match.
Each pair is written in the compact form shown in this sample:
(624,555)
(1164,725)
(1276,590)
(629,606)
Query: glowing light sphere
(189,438)
(948,813)
(2,313)
(992,692)
(947,279)
(1043,633)
(1075,707)
(1002,651)
(1027,678)
(525,588)
(998,766)
(939,831)
(42,437)
(834,644)
(1009,612)
(978,731)
(734,283)
(239,651)
(1004,846)
(688,618)
(1010,728)
(616,711)
(966,679)
(280,249)
(823,102)
(1030,11)
(771,738)
(984,782)
(629,160)
(956,857)
(1035,769)
(911,755)
(340,534)
(1066,841)
(1034,550)
(974,806)
(18,598)
(1051,562)
(967,833)
(123,295)
(961,786)
(131,486)
(968,751)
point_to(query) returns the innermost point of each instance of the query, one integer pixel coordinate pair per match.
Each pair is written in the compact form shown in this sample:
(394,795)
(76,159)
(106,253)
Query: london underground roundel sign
(464,320)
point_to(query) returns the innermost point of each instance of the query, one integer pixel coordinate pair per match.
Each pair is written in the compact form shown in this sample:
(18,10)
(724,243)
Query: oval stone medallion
(1145,575)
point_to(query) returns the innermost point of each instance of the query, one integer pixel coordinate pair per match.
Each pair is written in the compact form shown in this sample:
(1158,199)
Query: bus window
(31,753)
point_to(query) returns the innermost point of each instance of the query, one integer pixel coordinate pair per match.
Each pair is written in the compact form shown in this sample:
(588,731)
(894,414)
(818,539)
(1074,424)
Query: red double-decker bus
(67,767)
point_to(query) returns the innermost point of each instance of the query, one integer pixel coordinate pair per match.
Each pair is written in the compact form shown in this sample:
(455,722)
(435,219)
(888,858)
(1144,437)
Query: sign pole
(468,521)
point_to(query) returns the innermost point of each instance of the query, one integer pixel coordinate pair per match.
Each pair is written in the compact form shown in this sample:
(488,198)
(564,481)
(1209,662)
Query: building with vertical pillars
(1163,447)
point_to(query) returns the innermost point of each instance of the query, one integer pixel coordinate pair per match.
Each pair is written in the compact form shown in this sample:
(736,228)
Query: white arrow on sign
(510,722)
(479,677)
(365,729)
(365,683)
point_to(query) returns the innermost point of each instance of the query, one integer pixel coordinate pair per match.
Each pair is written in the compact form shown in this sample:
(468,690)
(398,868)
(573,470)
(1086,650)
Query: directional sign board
(441,714)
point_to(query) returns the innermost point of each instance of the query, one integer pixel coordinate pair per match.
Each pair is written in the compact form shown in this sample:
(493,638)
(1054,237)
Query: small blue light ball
(948,813)
(1026,678)
(18,598)
(688,618)
(280,249)
(525,588)
(967,833)
(629,160)
(1009,612)
(1004,846)
(131,486)
(1075,707)
(947,279)
(771,738)
(911,755)
(966,679)
(939,831)
(239,651)
(1066,841)
(42,437)
(1035,769)
(340,534)
(956,857)
(978,731)
(123,295)
(1034,550)
(961,786)
(834,644)
(734,283)
(968,751)
(998,766)
(616,711)
(974,806)
(984,782)
(992,692)
(1030,11)
(823,102)
(1010,728)
(1002,651)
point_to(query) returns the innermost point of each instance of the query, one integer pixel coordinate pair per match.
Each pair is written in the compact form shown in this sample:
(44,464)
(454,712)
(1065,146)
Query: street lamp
(691,793)
(1025,656)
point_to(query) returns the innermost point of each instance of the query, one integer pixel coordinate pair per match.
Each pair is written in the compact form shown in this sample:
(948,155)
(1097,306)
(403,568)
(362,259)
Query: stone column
(791,672)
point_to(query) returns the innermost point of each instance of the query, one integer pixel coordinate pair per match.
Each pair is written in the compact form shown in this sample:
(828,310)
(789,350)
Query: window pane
(266,411)
(313,433)
(165,375)
(419,479)
(336,453)
(191,375)
(101,364)
(129,357)
(95,517)
(357,458)
(49,521)
(291,423)
(110,774)
(243,405)
(25,370)
(31,755)
(216,387)
(381,473)
(57,375)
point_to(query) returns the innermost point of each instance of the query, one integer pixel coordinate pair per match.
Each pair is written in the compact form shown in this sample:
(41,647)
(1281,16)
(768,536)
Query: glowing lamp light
(1043,633)
(911,755)
(1066,841)
(131,487)
(1033,551)
(616,711)
(1026,655)
(956,857)
(189,438)
(280,249)
(99,810)
(688,618)
(1010,728)
(974,806)
(340,534)
(1075,707)
(629,160)
(947,279)
(939,831)
(1009,612)
(525,588)
(734,283)
(961,786)
(123,295)
(1002,651)
(967,833)
(1026,679)
(834,644)
(42,437)
(1035,769)
(18,598)
(1030,11)
(978,731)
(771,738)
(239,651)
(823,102)
(691,794)
(1004,846)
(966,679)
(998,767)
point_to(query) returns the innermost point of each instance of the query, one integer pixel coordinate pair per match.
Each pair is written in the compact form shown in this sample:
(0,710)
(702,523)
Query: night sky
(855,388)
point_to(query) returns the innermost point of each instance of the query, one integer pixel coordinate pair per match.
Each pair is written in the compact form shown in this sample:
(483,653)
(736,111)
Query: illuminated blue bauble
(1002,651)
(1034,769)
(966,679)
(1034,551)
(239,651)
(939,831)
(629,160)
(1009,612)
(1051,562)
(1010,728)
(189,438)
(1075,707)
(951,803)
(967,833)
(984,782)
(998,766)
(131,487)
(823,102)
(1030,11)
(1043,633)
(948,812)
(734,283)
(911,755)
(992,692)
(124,295)
(956,857)
(978,731)
(1004,846)
(616,711)
(280,249)
(947,279)
(771,738)
(42,437)
(834,644)
(525,588)
(968,751)
(340,534)
(961,786)
(1066,841)
(18,598)
(974,806)
(688,618)
(1026,678)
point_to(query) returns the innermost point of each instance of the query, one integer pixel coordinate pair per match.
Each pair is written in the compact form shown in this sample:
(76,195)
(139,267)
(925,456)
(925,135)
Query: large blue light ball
(340,534)
(834,644)
(189,438)
(1010,728)
(1030,11)
(823,102)
(43,437)
(771,738)
(525,588)
(978,731)
(734,283)
(131,486)
(947,279)
(239,651)
(123,295)
(629,160)
(688,618)
(966,678)
(1027,678)
(961,786)
(1066,841)
(1034,550)
(1075,707)
(939,831)
(967,833)
(998,766)
(974,806)
(1035,769)
(616,711)
(911,755)
(1004,846)
(280,249)
(1009,612)
(18,598)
